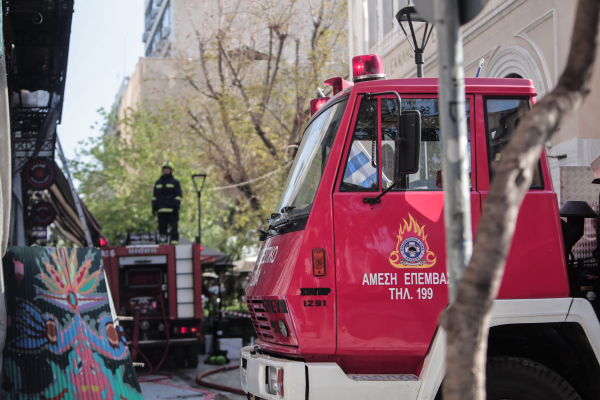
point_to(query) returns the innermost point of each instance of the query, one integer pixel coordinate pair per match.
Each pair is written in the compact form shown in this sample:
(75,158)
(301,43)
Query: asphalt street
(183,383)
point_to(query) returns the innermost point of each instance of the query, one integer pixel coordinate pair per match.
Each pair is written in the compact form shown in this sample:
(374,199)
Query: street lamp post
(195,178)
(409,14)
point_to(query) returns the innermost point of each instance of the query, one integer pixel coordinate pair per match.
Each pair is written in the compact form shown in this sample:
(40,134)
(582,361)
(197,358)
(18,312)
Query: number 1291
(315,303)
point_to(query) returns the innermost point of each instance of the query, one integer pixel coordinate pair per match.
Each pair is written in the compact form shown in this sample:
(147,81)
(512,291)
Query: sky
(106,43)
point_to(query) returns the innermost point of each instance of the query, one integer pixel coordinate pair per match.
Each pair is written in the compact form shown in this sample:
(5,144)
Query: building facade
(516,38)
(175,30)
(169,38)
(170,26)
(157,22)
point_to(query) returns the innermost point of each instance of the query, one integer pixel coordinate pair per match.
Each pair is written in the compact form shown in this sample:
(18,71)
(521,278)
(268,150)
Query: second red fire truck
(157,293)
(350,281)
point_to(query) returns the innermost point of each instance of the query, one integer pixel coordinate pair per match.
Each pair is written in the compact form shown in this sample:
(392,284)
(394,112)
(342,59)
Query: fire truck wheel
(179,356)
(192,356)
(520,379)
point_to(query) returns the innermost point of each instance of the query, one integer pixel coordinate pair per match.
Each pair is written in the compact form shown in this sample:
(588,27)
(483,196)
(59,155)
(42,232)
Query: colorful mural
(61,340)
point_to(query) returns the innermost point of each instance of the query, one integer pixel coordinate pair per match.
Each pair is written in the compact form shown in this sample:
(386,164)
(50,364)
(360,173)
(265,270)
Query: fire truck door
(390,257)
(538,237)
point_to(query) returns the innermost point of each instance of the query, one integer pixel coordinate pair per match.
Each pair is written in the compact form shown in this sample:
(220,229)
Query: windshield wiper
(264,231)
(283,222)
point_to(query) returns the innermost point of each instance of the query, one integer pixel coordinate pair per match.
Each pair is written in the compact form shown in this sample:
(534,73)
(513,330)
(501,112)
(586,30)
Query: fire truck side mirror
(408,143)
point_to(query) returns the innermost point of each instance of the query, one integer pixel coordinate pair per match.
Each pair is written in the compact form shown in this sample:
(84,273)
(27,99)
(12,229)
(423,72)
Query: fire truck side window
(502,118)
(361,169)
(429,176)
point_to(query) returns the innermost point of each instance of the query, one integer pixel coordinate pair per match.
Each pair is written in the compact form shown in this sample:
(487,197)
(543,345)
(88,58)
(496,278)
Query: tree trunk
(466,322)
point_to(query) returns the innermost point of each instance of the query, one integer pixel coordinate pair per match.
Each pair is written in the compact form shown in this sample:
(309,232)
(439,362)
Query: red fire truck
(158,291)
(350,281)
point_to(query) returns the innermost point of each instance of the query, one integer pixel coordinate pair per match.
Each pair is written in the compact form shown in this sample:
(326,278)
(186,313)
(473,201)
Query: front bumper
(253,370)
(322,381)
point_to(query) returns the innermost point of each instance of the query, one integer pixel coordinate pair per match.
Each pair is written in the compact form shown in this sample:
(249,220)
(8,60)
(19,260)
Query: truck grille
(259,320)
(272,320)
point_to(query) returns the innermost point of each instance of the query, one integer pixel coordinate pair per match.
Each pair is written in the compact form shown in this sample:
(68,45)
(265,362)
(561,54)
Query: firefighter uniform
(166,202)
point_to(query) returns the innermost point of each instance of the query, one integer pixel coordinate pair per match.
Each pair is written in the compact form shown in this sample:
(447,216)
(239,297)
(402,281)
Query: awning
(67,221)
(209,257)
(245,265)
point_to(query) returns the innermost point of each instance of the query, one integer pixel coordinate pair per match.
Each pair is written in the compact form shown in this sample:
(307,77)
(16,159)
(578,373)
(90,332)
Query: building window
(158,33)
(372,11)
(166,19)
(388,16)
(150,15)
(161,34)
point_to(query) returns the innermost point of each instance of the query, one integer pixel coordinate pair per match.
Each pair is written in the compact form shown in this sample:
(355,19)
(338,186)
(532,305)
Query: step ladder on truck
(351,277)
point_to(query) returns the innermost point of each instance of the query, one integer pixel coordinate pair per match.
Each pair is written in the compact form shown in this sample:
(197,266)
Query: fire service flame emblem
(412,250)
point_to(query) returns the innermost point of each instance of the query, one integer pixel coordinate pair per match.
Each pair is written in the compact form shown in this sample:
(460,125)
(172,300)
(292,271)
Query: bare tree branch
(256,121)
(197,127)
(278,119)
(271,83)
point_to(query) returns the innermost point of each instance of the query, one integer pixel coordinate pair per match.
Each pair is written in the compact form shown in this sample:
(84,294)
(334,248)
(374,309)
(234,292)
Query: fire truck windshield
(307,170)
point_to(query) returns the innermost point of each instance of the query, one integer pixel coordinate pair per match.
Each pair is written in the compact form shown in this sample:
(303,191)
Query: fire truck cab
(349,284)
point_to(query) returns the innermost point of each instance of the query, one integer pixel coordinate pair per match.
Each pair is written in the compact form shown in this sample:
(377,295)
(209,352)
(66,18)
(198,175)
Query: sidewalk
(183,384)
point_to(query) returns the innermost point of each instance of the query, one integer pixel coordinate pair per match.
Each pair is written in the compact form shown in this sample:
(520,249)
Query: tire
(511,378)
(192,356)
(179,356)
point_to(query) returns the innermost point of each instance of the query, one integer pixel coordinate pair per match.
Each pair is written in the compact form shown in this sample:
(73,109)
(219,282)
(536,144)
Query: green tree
(259,65)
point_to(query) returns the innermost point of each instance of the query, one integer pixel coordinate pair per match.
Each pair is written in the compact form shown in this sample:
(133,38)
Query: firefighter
(166,202)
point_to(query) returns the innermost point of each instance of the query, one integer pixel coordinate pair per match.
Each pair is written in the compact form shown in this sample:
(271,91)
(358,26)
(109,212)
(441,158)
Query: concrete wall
(154,80)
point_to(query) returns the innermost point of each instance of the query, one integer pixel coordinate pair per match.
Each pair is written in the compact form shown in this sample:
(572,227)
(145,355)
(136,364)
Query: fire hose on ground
(200,380)
(200,377)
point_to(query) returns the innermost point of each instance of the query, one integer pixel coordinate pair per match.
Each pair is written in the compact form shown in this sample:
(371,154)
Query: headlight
(591,296)
(283,328)
(275,381)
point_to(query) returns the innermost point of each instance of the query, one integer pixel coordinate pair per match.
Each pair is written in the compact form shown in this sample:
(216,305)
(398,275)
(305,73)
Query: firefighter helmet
(169,164)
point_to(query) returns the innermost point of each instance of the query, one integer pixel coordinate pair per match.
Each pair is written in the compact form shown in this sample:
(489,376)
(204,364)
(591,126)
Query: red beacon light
(338,84)
(367,67)
(101,242)
(315,104)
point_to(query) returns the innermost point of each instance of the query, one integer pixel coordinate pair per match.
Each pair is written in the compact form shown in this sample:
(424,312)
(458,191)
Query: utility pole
(457,202)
